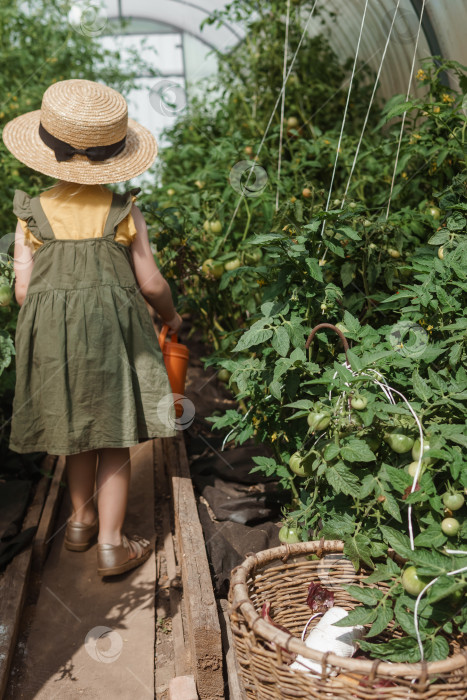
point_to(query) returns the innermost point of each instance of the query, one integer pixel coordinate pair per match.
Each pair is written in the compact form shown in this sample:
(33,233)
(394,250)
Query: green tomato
(412,582)
(223,375)
(450,526)
(394,253)
(207,226)
(216,226)
(254,255)
(416,452)
(318,420)
(6,295)
(288,535)
(212,268)
(398,442)
(453,501)
(293,123)
(435,212)
(299,466)
(412,468)
(359,402)
(232,264)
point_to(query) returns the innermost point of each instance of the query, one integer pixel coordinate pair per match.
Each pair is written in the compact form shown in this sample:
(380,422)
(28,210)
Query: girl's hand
(174,323)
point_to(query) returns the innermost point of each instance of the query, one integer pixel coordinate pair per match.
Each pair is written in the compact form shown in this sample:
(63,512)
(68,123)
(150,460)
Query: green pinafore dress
(89,370)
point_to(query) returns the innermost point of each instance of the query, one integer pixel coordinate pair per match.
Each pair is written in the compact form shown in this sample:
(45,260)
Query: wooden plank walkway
(89,637)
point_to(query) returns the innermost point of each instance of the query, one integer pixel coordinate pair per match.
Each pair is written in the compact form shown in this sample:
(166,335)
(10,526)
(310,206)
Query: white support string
(273,113)
(284,79)
(405,113)
(375,87)
(346,109)
(388,391)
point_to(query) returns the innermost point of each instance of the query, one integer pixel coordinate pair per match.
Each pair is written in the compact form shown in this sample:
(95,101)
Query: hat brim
(21,137)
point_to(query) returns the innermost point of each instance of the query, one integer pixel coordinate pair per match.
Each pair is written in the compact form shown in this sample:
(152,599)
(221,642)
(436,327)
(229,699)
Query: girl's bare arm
(23,264)
(154,287)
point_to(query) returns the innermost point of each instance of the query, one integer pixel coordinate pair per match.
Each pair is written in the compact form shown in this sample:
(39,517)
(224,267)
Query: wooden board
(13,584)
(204,631)
(43,536)
(180,653)
(236,689)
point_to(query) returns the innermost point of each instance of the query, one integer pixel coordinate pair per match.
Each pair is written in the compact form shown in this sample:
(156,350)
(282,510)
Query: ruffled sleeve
(126,229)
(22,209)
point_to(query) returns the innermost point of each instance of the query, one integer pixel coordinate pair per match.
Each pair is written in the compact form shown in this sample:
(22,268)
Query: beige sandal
(113,559)
(80,536)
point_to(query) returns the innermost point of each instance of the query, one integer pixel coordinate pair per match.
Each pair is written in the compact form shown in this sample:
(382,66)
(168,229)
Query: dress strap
(120,207)
(29,209)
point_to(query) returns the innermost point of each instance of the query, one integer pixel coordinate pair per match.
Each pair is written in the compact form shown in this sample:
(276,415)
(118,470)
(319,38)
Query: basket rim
(240,600)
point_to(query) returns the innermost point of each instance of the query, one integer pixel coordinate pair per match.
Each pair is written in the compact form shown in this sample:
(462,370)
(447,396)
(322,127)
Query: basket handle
(333,328)
(163,335)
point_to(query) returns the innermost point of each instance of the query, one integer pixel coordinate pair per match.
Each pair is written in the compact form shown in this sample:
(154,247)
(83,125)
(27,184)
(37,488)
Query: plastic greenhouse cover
(443,29)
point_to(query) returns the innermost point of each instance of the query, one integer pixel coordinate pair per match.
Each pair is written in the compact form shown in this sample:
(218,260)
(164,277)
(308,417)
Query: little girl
(90,377)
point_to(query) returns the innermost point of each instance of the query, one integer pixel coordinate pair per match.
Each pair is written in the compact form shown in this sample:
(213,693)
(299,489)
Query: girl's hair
(62,185)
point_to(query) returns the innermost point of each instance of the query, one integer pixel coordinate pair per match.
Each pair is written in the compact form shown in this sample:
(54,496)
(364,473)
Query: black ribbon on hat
(65,151)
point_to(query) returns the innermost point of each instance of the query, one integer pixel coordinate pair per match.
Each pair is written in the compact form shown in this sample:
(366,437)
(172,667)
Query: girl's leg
(113,481)
(81,473)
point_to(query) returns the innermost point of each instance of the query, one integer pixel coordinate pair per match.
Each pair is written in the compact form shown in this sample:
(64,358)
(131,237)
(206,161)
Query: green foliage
(399,300)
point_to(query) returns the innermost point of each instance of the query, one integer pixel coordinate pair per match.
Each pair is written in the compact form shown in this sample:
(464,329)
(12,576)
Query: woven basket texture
(281,576)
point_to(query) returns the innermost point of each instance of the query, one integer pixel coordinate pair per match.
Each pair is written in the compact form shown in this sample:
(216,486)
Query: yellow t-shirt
(79,211)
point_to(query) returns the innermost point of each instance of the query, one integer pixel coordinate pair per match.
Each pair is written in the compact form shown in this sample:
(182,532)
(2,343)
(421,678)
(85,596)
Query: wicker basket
(282,576)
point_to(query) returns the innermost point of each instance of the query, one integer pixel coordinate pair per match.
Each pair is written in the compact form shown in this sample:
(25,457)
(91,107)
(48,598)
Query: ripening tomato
(223,375)
(232,264)
(453,500)
(253,255)
(450,526)
(412,582)
(293,123)
(359,402)
(288,535)
(412,468)
(416,452)
(216,226)
(318,420)
(306,192)
(212,268)
(6,295)
(298,465)
(398,442)
(394,253)
(435,212)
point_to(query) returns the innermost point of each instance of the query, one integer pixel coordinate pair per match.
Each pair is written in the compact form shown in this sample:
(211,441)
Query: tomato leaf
(397,540)
(397,650)
(384,616)
(364,594)
(358,616)
(356,450)
(342,479)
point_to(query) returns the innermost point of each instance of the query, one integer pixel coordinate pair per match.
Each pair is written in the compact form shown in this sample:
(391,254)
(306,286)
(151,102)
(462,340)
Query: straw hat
(81,134)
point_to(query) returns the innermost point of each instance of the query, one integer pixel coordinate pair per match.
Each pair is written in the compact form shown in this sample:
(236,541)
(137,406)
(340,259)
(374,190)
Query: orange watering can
(176,363)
